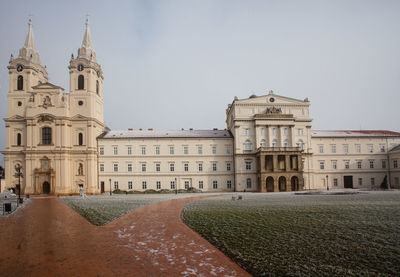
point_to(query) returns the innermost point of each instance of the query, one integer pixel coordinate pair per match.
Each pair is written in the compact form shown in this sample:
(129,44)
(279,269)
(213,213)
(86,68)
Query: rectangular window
(248,165)
(285,131)
(215,184)
(395,164)
(129,167)
(228,166)
(371,164)
(143,167)
(200,184)
(172,184)
(335,182)
(102,167)
(346,149)
(158,185)
(186,150)
(334,164)
(157,150)
(143,150)
(115,184)
(158,167)
(359,164)
(248,183)
(115,167)
(360,181)
(372,181)
(358,148)
(262,132)
(383,163)
(214,167)
(200,167)
(300,132)
(144,185)
(130,186)
(129,150)
(383,148)
(186,184)
(346,164)
(321,165)
(115,150)
(274,131)
(321,149)
(186,167)
(229,184)
(101,150)
(247,132)
(199,150)
(333,148)
(370,148)
(171,167)
(214,150)
(228,150)
(171,150)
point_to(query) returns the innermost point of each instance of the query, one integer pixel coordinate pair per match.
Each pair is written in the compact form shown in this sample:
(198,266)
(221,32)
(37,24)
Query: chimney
(215,129)
(140,129)
(130,129)
(182,129)
(191,129)
(150,129)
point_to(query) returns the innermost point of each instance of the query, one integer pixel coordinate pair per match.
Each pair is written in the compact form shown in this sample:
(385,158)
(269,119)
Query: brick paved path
(47,238)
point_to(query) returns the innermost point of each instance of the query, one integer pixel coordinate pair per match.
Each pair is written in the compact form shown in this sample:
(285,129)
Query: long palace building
(62,143)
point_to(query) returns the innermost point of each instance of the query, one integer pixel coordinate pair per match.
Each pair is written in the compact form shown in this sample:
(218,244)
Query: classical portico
(279,169)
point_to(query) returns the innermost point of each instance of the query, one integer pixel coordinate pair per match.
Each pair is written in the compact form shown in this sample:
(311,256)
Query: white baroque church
(60,140)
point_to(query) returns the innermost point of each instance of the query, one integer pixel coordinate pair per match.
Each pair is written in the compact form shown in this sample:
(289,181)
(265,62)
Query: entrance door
(46,187)
(270,184)
(102,187)
(348,182)
(295,183)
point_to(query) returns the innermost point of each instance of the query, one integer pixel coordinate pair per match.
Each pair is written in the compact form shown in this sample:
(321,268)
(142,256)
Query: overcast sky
(178,64)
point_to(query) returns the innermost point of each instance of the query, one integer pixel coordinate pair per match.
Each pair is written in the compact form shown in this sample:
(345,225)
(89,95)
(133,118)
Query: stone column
(287,163)
(275,163)
(269,142)
(299,163)
(276,184)
(292,138)
(262,162)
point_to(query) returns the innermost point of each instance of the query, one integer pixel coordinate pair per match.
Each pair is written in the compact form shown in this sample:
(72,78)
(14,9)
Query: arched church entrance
(282,183)
(295,183)
(46,187)
(270,184)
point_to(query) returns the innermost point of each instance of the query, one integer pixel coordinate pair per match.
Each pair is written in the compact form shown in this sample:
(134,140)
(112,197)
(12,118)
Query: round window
(80,103)
(272,99)
(19,103)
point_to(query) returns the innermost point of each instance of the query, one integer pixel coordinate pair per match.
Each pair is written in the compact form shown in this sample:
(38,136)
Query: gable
(272,99)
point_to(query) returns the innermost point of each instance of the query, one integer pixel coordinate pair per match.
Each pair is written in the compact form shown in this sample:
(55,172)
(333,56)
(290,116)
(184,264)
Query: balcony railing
(279,149)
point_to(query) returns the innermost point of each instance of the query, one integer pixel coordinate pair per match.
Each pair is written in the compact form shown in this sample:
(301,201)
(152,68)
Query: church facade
(60,140)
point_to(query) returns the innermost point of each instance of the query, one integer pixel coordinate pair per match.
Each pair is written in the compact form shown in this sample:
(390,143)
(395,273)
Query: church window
(80,139)
(247,145)
(46,135)
(97,87)
(80,103)
(81,81)
(19,103)
(20,83)
(19,139)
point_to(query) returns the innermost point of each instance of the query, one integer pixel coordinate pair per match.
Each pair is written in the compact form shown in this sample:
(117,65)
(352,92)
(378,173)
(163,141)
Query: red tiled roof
(354,133)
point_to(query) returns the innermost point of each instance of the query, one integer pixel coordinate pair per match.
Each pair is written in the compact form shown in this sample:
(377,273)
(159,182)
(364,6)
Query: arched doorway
(282,183)
(295,183)
(270,184)
(46,187)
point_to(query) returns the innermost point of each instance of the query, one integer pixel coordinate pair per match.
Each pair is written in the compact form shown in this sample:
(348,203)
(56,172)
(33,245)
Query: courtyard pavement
(48,238)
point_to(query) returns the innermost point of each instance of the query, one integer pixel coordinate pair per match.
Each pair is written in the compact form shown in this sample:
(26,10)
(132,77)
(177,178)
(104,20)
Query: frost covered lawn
(318,235)
(100,210)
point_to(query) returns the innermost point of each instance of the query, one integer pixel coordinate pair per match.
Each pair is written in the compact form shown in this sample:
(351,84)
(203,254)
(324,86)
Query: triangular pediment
(15,117)
(47,86)
(272,99)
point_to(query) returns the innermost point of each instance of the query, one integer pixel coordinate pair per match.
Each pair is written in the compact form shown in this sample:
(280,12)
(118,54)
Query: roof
(353,133)
(116,134)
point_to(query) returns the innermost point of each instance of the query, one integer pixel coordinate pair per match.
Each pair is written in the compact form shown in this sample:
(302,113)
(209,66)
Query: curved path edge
(50,239)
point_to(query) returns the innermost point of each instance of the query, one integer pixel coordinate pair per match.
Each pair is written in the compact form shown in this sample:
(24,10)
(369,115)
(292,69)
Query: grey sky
(177,64)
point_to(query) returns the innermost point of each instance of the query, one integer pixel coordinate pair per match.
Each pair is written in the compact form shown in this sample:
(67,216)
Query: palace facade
(62,143)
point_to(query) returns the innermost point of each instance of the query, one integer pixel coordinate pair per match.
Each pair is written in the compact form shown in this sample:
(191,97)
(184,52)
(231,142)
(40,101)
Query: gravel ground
(100,210)
(283,234)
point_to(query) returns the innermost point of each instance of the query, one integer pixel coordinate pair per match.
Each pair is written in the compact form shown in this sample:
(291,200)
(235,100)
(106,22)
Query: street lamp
(19,175)
(110,186)
(327,186)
